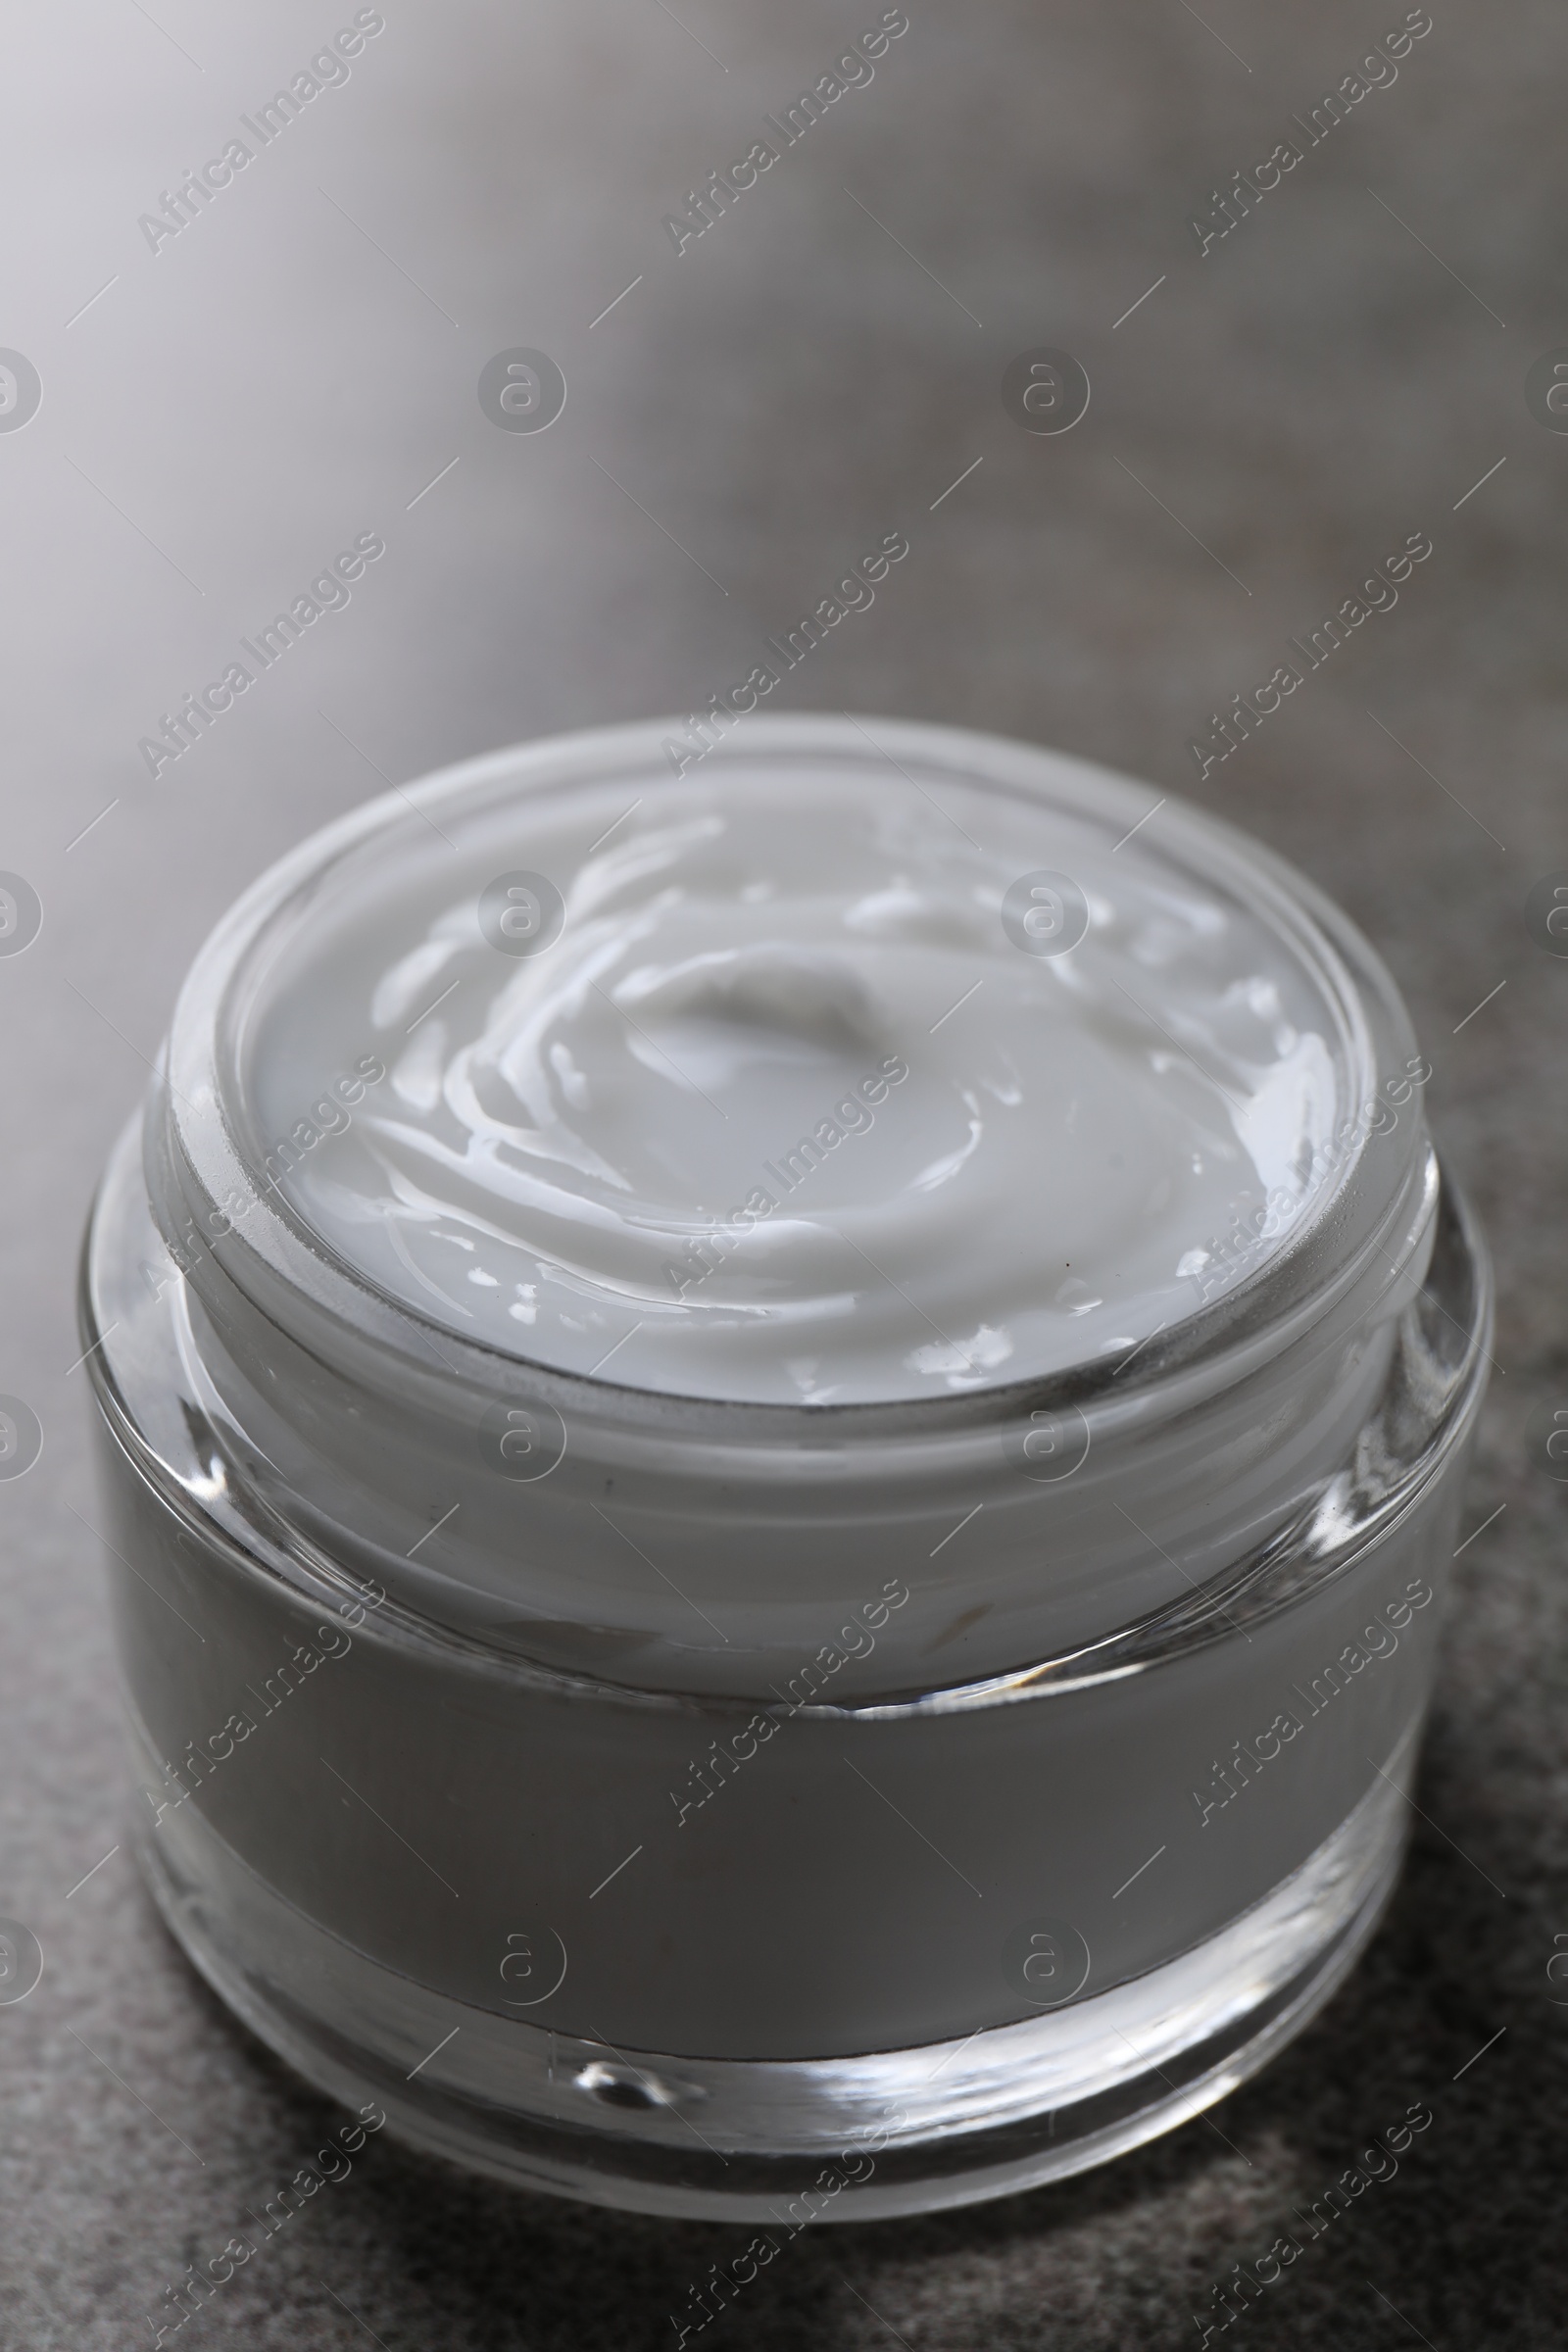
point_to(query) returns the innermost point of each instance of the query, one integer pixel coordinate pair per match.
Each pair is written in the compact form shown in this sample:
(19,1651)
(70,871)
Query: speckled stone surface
(298,365)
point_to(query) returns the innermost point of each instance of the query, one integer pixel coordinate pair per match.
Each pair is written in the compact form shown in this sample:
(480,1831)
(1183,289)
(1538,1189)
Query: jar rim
(294,1275)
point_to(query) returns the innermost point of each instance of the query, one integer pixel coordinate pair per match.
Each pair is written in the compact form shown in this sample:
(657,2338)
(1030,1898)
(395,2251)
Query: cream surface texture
(800,1087)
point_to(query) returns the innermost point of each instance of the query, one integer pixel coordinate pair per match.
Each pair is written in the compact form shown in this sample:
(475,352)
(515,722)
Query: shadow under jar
(782,1433)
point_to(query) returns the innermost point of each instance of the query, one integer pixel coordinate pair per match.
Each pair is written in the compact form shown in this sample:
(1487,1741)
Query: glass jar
(755,1810)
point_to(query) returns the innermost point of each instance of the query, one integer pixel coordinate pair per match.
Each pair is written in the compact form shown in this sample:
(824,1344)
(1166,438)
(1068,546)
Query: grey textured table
(225,405)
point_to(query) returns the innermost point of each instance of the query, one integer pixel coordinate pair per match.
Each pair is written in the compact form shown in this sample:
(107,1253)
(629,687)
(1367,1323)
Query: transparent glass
(1047,1772)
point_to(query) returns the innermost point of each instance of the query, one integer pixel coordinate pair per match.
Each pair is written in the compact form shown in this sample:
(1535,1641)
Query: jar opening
(863,1065)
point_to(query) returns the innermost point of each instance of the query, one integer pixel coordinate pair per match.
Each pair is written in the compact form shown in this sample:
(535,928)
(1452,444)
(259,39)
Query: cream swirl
(795,1101)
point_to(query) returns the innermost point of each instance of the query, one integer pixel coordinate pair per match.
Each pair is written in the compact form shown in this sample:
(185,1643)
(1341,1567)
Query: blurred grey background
(298,365)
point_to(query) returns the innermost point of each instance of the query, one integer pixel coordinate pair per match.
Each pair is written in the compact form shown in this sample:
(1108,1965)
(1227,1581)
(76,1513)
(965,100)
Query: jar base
(786,2142)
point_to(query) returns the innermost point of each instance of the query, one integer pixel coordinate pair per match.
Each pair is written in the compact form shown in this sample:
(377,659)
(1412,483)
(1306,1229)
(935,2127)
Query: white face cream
(780,1441)
(797,1085)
